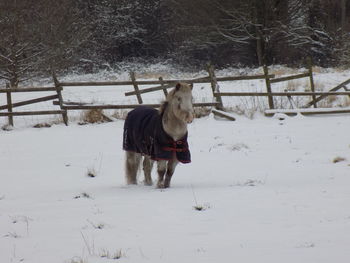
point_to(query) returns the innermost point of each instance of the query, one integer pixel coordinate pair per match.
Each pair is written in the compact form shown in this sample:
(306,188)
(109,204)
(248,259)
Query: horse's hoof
(166,183)
(162,186)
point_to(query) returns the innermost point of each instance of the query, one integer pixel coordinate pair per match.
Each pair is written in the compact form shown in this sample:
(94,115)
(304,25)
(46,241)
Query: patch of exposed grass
(201,207)
(91,172)
(94,116)
(12,235)
(339,159)
(42,125)
(238,147)
(104,253)
(249,182)
(83,195)
(98,225)
(197,206)
(120,114)
(95,169)
(200,112)
(7,127)
(292,85)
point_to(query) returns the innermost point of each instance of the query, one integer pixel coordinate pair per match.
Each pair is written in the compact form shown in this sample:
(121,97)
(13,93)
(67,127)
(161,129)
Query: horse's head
(180,100)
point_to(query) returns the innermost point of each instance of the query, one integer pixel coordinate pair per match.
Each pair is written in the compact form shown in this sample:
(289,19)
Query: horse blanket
(144,133)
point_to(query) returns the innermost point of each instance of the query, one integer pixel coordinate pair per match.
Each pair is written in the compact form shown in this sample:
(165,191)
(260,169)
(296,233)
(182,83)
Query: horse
(159,135)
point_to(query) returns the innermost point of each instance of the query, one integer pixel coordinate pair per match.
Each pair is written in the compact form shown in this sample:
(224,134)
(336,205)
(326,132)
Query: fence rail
(31,113)
(27,102)
(309,111)
(32,89)
(158,82)
(298,76)
(126,106)
(338,87)
(279,94)
(162,85)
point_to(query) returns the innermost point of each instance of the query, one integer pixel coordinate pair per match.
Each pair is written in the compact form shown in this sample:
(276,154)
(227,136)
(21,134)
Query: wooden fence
(269,80)
(270,94)
(10,105)
(163,85)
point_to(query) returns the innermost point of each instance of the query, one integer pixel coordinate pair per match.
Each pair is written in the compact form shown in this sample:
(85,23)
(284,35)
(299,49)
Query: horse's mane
(164,105)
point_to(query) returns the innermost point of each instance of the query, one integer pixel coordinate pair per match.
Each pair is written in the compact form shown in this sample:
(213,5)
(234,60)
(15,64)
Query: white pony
(159,136)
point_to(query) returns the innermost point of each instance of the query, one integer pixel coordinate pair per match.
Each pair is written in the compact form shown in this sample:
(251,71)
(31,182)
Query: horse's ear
(178,86)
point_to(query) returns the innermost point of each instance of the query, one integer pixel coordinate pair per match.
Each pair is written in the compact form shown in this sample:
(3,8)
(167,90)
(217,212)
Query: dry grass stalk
(200,112)
(42,125)
(339,159)
(292,85)
(95,116)
(120,114)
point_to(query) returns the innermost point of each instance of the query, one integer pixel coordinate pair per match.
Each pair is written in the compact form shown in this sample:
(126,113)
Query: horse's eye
(179,99)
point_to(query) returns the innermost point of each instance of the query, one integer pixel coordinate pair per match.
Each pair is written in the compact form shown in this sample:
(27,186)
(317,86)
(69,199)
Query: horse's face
(182,102)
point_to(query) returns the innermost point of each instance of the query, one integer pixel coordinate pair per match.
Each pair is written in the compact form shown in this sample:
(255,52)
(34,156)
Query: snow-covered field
(270,190)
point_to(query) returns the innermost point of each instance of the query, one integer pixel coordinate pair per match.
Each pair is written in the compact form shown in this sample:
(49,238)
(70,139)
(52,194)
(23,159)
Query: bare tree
(16,51)
(123,28)
(35,34)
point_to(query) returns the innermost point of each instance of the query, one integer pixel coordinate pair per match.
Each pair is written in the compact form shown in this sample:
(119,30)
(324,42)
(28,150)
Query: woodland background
(90,35)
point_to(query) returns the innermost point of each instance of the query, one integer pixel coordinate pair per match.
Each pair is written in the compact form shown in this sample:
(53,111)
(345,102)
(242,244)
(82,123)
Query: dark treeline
(90,34)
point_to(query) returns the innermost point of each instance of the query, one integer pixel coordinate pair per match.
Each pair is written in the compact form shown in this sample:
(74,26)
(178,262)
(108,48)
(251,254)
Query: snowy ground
(270,190)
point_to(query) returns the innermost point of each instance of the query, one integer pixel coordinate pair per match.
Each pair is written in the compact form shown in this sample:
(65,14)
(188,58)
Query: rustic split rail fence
(164,85)
(9,106)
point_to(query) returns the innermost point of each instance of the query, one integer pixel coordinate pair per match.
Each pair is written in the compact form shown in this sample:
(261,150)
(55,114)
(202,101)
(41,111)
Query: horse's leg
(132,164)
(161,169)
(147,169)
(170,171)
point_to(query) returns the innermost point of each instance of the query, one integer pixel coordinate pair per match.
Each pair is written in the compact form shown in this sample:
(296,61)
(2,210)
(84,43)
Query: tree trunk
(343,15)
(259,47)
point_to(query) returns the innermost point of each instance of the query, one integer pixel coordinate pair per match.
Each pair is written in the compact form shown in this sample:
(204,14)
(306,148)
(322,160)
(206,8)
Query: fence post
(9,104)
(312,84)
(215,86)
(136,87)
(164,89)
(268,87)
(60,98)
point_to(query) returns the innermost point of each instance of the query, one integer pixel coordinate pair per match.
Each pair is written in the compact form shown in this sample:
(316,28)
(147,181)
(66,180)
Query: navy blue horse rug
(144,133)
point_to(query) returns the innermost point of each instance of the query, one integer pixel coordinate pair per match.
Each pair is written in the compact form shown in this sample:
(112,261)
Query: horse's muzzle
(189,117)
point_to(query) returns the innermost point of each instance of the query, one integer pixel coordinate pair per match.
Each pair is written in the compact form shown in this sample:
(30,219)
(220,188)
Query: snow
(310,110)
(267,190)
